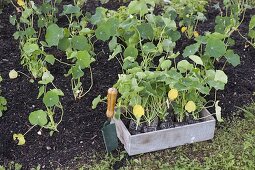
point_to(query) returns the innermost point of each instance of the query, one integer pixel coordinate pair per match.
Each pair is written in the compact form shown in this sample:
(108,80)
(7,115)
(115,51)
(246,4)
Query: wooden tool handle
(111,100)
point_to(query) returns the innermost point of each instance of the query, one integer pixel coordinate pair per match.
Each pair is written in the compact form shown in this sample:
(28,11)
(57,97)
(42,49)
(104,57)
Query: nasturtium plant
(32,44)
(190,12)
(3,101)
(133,31)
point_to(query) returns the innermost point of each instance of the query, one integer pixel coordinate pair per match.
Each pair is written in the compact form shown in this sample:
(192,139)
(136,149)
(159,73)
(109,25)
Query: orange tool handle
(111,101)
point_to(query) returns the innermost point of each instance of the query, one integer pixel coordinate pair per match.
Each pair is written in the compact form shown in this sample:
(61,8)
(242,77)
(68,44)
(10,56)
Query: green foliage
(38,117)
(138,36)
(11,165)
(137,28)
(190,12)
(143,41)
(51,100)
(53,35)
(251,33)
(37,32)
(3,101)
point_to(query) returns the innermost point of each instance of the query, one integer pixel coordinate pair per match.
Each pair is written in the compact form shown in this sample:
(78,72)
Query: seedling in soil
(3,101)
(51,100)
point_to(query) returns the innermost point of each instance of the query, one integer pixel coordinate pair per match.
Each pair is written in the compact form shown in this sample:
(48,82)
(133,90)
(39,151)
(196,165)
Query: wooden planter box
(166,138)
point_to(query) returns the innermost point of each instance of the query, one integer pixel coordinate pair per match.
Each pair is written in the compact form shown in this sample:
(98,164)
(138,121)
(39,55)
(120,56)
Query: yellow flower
(190,106)
(172,94)
(20,138)
(183,29)
(138,111)
(196,34)
(21,3)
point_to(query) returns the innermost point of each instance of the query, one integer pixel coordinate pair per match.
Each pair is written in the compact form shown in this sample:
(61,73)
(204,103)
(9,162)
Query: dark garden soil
(79,134)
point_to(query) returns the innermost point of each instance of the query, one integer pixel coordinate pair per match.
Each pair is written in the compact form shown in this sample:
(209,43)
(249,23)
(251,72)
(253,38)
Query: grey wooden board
(167,138)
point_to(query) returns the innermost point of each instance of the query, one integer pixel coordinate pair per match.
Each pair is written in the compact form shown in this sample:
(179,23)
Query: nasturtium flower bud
(21,3)
(183,29)
(196,34)
(172,94)
(138,111)
(190,106)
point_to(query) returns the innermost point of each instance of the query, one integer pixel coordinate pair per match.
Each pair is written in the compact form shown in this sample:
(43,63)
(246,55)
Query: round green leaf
(50,99)
(168,45)
(183,66)
(64,44)
(196,59)
(138,7)
(38,117)
(166,64)
(232,58)
(191,49)
(70,9)
(53,34)
(102,33)
(83,59)
(221,76)
(50,59)
(112,25)
(77,72)
(131,51)
(30,48)
(46,78)
(80,42)
(146,31)
(215,48)
(149,47)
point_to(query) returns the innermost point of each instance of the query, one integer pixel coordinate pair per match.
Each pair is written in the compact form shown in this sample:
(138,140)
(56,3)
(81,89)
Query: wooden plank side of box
(167,138)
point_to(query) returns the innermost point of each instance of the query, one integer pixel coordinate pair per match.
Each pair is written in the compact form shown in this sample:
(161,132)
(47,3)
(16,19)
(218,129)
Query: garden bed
(79,134)
(166,138)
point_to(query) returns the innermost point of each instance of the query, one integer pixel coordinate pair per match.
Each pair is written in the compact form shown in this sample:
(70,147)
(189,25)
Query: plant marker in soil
(109,128)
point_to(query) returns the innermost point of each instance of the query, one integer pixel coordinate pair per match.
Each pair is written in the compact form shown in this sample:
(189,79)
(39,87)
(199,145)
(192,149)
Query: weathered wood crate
(166,138)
